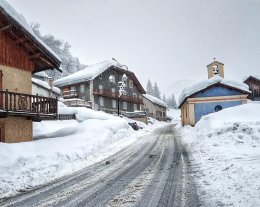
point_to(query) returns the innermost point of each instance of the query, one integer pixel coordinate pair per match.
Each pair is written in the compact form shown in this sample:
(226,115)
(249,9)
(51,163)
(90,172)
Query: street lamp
(121,85)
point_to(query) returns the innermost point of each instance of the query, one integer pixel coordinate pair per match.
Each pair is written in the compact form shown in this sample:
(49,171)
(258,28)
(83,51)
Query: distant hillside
(176,87)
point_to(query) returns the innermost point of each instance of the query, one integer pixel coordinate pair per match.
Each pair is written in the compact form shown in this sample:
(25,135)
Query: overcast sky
(164,40)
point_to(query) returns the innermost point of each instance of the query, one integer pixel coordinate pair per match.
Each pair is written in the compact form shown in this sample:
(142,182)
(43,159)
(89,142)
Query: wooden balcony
(34,107)
(70,94)
(110,94)
(76,102)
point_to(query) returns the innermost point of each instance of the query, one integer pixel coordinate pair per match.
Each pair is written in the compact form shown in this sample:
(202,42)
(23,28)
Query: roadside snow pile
(83,113)
(174,114)
(73,146)
(225,148)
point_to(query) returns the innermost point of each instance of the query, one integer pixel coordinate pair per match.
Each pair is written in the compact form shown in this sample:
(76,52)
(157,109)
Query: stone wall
(17,129)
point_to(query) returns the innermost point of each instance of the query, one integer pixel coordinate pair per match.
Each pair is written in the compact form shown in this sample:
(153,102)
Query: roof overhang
(213,85)
(39,54)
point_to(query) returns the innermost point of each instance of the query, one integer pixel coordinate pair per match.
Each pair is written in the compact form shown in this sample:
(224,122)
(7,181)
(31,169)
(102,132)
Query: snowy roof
(215,61)
(253,76)
(155,100)
(23,24)
(41,74)
(194,88)
(46,85)
(89,73)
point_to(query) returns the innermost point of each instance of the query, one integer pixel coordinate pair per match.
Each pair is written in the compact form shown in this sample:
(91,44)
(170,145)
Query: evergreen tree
(173,101)
(164,98)
(149,87)
(156,91)
(69,63)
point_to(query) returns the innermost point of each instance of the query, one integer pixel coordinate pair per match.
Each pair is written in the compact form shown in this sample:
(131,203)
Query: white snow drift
(225,147)
(73,145)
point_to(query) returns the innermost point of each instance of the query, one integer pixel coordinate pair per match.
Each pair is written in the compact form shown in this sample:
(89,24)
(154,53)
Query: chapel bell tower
(215,69)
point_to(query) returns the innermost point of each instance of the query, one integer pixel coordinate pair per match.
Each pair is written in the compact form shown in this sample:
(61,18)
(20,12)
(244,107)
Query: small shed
(210,96)
(254,86)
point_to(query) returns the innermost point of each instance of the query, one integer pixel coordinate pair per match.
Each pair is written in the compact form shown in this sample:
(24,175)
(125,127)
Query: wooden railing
(110,94)
(27,105)
(76,103)
(67,116)
(70,94)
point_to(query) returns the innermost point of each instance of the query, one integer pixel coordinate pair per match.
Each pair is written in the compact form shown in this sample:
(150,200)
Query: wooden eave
(133,77)
(44,60)
(252,78)
(216,84)
(215,62)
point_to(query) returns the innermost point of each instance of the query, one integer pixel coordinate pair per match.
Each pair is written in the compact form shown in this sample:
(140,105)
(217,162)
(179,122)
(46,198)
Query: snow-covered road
(154,171)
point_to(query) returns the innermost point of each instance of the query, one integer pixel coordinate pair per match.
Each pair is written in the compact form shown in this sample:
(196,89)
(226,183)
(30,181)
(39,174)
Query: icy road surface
(154,171)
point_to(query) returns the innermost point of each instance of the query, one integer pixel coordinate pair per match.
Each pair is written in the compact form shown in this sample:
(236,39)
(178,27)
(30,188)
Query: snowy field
(70,146)
(225,150)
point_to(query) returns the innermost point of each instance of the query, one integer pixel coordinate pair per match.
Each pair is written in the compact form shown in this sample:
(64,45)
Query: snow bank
(191,89)
(83,113)
(225,151)
(72,145)
(174,114)
(30,164)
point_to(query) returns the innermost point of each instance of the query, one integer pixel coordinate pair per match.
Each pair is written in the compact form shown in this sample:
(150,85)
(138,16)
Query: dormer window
(112,79)
(100,76)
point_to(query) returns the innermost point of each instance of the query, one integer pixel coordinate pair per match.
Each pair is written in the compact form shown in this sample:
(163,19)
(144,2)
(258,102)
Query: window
(100,87)
(131,84)
(218,108)
(113,90)
(82,88)
(112,79)
(101,101)
(72,88)
(113,103)
(100,76)
(134,95)
(135,107)
(124,105)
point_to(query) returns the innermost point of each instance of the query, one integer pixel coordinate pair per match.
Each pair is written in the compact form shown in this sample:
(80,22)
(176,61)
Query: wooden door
(1,88)
(2,132)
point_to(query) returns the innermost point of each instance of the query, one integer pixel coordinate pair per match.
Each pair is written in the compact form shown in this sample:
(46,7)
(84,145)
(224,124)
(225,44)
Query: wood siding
(13,55)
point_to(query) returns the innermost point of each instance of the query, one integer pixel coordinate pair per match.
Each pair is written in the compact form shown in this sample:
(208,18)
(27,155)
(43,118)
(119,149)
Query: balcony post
(56,108)
(6,100)
(118,106)
(37,104)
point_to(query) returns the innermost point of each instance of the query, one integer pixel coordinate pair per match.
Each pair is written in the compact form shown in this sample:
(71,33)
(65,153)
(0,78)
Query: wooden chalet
(254,86)
(22,53)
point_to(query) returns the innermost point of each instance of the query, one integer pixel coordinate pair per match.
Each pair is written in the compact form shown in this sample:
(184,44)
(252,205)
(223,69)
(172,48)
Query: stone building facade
(98,86)
(155,107)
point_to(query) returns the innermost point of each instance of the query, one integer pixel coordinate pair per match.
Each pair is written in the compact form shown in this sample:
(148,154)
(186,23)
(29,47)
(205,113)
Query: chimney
(50,80)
